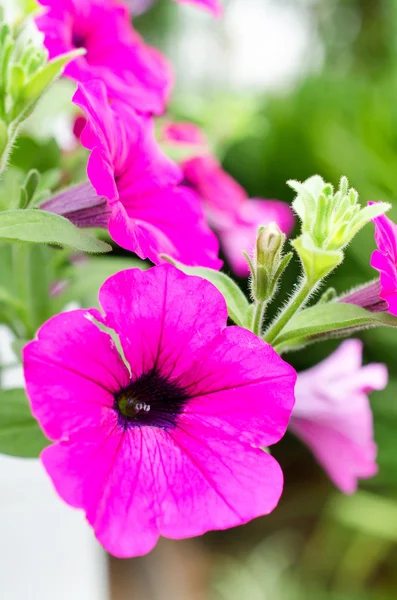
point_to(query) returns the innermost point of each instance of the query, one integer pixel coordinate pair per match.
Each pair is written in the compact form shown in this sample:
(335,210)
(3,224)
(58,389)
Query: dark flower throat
(151,400)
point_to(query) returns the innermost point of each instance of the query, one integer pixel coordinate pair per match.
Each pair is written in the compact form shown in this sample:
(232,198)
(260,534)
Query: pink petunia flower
(133,72)
(213,6)
(150,213)
(167,439)
(333,417)
(230,212)
(384,260)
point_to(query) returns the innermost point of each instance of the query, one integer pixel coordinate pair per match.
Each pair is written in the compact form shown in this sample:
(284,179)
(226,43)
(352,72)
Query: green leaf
(325,320)
(237,303)
(39,226)
(43,78)
(20,434)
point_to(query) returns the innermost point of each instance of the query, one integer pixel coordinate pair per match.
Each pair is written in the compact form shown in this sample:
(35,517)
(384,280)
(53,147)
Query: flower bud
(329,222)
(268,263)
(269,242)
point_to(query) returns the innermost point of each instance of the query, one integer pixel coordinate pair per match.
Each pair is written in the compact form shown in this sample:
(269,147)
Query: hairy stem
(299,299)
(258,317)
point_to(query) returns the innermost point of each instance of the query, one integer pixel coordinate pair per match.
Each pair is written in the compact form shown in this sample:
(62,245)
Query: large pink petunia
(384,260)
(167,441)
(150,213)
(213,6)
(233,215)
(333,417)
(132,71)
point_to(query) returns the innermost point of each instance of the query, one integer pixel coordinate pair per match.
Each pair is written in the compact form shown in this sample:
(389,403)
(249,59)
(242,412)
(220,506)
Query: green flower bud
(329,220)
(269,243)
(268,263)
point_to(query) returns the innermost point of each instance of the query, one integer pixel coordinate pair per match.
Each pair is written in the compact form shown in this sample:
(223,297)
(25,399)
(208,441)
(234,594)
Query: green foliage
(20,434)
(330,320)
(39,226)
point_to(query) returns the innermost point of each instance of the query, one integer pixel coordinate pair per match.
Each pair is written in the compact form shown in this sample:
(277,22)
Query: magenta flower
(333,417)
(384,260)
(150,213)
(132,71)
(167,439)
(230,212)
(213,6)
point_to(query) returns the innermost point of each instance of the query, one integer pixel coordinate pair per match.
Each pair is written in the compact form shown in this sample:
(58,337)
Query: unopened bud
(329,220)
(268,263)
(269,242)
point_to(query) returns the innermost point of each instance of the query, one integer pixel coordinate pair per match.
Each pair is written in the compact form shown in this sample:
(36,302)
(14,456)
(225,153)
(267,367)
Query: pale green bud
(329,222)
(331,219)
(268,263)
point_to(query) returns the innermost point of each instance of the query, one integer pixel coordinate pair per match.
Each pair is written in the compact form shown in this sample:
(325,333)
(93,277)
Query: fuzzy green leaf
(39,226)
(327,320)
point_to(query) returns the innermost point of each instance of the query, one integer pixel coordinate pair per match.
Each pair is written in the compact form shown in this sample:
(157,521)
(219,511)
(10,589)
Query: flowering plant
(153,407)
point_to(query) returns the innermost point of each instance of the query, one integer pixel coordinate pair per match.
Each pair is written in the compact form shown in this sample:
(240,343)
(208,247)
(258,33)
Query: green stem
(257,321)
(5,154)
(300,297)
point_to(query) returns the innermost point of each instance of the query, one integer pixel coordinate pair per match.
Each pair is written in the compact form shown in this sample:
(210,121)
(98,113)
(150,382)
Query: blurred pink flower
(230,212)
(384,260)
(139,7)
(133,72)
(171,444)
(332,415)
(213,6)
(150,213)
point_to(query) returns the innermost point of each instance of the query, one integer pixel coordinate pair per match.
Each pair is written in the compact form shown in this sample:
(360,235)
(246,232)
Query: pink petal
(125,142)
(132,71)
(241,386)
(333,417)
(145,483)
(343,461)
(221,194)
(184,133)
(235,483)
(162,316)
(168,221)
(384,259)
(237,381)
(154,215)
(112,476)
(213,6)
(72,371)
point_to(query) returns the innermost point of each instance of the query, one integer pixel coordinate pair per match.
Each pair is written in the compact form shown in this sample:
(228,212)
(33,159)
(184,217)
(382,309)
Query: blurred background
(285,89)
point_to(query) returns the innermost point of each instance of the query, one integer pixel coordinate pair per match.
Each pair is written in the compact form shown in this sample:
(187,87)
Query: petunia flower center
(130,407)
(152,400)
(79,41)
